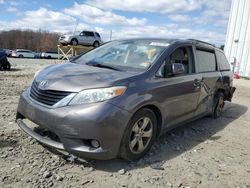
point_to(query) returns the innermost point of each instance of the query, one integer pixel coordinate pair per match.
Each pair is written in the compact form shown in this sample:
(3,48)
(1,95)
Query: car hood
(76,77)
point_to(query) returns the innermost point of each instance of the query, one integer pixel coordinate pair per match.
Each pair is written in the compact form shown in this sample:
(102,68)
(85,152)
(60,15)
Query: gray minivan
(113,101)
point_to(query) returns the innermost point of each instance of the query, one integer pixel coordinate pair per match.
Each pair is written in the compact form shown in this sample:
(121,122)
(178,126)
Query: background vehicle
(50,55)
(8,52)
(116,99)
(23,53)
(4,63)
(89,38)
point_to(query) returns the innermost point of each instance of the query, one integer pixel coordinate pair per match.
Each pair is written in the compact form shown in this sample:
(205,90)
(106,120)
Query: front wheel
(8,66)
(218,104)
(139,135)
(74,42)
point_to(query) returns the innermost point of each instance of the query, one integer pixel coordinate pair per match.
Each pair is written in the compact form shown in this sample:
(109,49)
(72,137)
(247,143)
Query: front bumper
(75,125)
(63,41)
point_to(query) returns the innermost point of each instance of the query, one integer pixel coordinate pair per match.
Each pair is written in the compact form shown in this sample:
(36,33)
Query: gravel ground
(204,153)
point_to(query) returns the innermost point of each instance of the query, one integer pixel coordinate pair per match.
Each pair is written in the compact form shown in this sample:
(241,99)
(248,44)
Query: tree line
(28,39)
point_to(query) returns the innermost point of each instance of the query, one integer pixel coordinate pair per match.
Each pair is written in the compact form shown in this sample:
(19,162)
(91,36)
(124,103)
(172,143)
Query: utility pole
(77,22)
(111,34)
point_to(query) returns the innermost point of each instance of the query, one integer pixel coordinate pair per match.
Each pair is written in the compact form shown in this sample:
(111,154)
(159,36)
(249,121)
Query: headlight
(97,95)
(66,37)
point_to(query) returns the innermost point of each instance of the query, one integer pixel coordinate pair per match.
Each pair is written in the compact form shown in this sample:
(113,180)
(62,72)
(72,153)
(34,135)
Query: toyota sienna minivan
(115,100)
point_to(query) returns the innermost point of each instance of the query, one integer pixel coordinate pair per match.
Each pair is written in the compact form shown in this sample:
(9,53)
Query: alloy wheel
(141,135)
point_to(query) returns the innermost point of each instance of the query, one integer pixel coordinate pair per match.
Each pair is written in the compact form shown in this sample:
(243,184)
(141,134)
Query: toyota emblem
(43,84)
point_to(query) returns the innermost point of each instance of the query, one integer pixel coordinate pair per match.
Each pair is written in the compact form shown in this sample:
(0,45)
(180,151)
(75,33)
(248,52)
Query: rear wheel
(218,104)
(96,44)
(139,135)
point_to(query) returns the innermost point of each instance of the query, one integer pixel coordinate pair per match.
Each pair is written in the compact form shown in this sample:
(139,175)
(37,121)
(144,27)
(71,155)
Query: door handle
(197,83)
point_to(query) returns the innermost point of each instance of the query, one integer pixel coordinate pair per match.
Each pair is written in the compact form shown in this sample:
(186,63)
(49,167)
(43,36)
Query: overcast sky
(200,19)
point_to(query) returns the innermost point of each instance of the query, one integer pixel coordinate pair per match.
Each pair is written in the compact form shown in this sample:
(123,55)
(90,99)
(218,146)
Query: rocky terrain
(205,153)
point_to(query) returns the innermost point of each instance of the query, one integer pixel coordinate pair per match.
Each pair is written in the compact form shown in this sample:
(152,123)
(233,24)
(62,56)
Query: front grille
(47,97)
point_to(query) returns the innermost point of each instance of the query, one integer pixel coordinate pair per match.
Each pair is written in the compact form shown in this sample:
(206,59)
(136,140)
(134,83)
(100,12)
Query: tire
(74,42)
(49,57)
(8,66)
(140,131)
(20,56)
(218,106)
(96,44)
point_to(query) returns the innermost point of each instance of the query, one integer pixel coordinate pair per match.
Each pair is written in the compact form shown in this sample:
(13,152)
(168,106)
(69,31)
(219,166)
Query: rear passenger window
(205,61)
(222,61)
(90,34)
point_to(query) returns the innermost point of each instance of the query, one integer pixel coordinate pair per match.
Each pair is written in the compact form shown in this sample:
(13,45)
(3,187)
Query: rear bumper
(76,125)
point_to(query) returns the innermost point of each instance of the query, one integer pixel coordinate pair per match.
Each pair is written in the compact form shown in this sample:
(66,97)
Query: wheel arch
(158,115)
(223,86)
(96,41)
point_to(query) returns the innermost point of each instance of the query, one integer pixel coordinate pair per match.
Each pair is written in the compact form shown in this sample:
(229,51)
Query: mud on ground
(204,153)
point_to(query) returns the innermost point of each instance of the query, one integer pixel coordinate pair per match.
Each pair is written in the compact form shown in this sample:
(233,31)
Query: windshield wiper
(103,66)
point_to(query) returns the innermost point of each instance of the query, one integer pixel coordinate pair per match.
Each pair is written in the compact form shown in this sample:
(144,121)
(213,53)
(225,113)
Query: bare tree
(29,39)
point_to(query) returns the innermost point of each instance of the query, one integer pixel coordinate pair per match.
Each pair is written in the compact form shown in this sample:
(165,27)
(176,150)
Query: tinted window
(205,61)
(183,55)
(222,61)
(24,51)
(90,34)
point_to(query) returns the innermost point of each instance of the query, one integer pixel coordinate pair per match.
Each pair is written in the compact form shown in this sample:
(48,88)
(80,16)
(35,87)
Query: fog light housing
(95,143)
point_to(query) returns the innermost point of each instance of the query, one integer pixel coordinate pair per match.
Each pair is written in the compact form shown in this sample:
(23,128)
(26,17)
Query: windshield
(135,55)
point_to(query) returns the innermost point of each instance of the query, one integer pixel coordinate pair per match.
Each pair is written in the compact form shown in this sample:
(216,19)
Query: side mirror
(174,69)
(178,68)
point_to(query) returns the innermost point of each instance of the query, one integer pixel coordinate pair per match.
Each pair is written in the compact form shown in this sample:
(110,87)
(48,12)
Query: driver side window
(182,55)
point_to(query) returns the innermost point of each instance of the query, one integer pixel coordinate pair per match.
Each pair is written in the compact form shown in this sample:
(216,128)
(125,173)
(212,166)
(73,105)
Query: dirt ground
(205,153)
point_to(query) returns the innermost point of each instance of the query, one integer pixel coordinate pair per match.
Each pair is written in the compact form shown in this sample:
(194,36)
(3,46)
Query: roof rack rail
(199,41)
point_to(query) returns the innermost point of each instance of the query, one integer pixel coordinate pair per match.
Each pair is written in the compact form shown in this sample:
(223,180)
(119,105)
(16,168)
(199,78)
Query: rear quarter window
(206,61)
(222,61)
(98,35)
